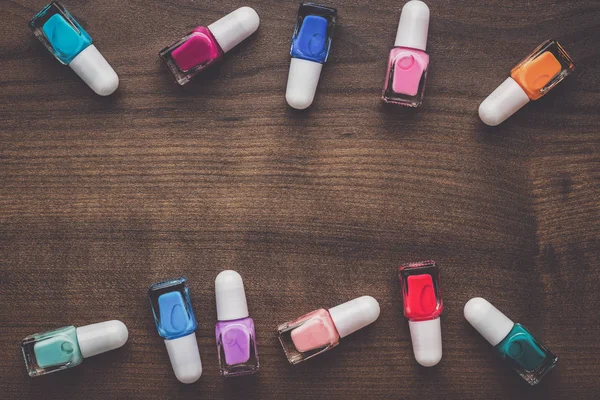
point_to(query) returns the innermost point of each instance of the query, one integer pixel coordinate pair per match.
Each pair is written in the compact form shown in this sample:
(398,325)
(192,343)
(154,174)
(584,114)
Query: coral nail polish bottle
(236,338)
(204,46)
(70,44)
(66,347)
(408,62)
(423,306)
(321,330)
(532,78)
(513,343)
(310,49)
(175,321)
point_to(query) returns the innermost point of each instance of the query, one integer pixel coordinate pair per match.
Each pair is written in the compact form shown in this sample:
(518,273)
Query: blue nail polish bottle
(512,342)
(311,42)
(56,28)
(176,323)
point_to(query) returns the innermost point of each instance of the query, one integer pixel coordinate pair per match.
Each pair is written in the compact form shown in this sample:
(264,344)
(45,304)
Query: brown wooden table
(100,197)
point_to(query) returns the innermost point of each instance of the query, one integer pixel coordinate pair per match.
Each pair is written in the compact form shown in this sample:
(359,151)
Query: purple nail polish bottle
(236,339)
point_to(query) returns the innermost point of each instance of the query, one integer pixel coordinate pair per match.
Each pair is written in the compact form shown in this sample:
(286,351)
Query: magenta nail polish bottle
(408,62)
(205,46)
(236,338)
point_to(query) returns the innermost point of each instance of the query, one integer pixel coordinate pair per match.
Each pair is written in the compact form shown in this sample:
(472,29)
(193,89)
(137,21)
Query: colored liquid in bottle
(174,318)
(236,343)
(200,48)
(311,41)
(421,301)
(313,334)
(522,348)
(537,73)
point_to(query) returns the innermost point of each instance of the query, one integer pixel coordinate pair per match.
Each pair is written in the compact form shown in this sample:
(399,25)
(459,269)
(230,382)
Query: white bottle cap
(185,358)
(502,103)
(302,83)
(426,337)
(101,337)
(413,25)
(233,28)
(488,320)
(354,314)
(230,295)
(93,68)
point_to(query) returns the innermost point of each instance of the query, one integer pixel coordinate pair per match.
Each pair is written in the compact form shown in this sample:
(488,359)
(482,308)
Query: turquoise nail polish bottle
(66,347)
(512,342)
(70,44)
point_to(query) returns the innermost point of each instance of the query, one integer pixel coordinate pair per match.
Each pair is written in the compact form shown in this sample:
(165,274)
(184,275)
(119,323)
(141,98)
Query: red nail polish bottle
(423,306)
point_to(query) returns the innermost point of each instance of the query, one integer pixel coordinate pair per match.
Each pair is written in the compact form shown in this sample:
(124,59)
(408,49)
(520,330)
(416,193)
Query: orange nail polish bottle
(532,78)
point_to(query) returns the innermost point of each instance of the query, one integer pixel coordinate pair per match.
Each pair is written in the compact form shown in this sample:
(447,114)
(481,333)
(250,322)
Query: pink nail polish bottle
(204,46)
(408,62)
(321,330)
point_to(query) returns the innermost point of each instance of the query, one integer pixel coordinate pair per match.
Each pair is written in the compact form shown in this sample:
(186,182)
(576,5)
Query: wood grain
(100,197)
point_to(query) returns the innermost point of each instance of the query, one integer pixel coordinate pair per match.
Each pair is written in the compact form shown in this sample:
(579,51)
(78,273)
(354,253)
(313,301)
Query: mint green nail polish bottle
(512,342)
(66,347)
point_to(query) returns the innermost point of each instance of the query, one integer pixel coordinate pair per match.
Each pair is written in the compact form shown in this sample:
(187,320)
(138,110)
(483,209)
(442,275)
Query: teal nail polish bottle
(70,44)
(512,342)
(66,347)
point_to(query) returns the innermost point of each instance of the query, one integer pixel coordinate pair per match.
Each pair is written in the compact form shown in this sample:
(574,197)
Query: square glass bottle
(66,347)
(51,351)
(421,292)
(191,54)
(71,45)
(308,336)
(525,355)
(321,330)
(313,32)
(62,35)
(236,347)
(512,342)
(175,322)
(408,62)
(311,42)
(206,45)
(234,332)
(423,305)
(531,79)
(172,308)
(543,69)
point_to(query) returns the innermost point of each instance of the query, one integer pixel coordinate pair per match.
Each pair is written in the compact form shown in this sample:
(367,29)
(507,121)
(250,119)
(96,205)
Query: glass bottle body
(52,351)
(421,292)
(56,28)
(236,347)
(308,336)
(313,32)
(172,308)
(406,76)
(525,355)
(192,54)
(543,69)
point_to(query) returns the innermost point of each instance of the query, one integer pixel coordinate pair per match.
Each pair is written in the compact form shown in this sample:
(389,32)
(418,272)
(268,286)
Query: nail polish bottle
(408,62)
(56,28)
(205,45)
(321,330)
(236,338)
(310,48)
(423,306)
(66,347)
(513,343)
(532,78)
(175,321)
